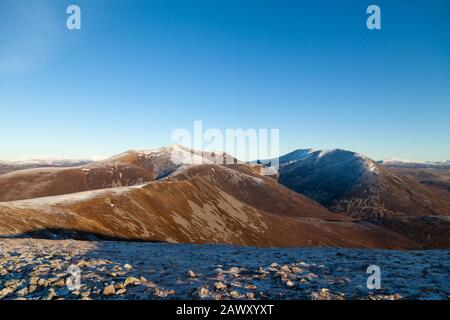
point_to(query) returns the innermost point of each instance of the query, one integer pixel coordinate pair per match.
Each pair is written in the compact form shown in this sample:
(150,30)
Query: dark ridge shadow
(72,234)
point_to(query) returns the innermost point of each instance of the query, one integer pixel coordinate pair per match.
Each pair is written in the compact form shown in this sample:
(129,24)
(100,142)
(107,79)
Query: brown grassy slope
(10,166)
(202,204)
(33,183)
(245,184)
(126,169)
(435,178)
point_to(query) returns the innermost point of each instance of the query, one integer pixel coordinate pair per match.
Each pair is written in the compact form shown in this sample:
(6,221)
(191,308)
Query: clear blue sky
(137,70)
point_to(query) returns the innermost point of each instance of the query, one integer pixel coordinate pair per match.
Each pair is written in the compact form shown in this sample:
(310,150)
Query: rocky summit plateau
(110,270)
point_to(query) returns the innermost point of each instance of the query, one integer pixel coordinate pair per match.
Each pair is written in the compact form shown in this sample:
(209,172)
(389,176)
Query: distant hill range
(333,198)
(9,166)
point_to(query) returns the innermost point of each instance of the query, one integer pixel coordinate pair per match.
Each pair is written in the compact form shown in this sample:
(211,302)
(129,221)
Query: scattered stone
(261,270)
(191,274)
(36,276)
(130,280)
(286,268)
(203,292)
(118,286)
(60,283)
(235,272)
(76,293)
(34,280)
(85,294)
(5,292)
(296,269)
(127,266)
(323,294)
(109,290)
(43,283)
(385,297)
(234,294)
(121,291)
(340,296)
(163,293)
(32,288)
(250,295)
(14,283)
(218,296)
(150,284)
(43,269)
(82,263)
(22,292)
(51,294)
(117,268)
(220,286)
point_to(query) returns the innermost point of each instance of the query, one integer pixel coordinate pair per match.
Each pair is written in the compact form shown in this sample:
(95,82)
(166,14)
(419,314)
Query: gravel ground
(38,269)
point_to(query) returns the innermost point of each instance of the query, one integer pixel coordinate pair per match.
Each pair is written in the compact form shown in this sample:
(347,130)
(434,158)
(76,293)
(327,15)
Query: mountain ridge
(353,184)
(200,204)
(361,193)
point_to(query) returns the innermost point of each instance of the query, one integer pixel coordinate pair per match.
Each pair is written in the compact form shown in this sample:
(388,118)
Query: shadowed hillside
(350,183)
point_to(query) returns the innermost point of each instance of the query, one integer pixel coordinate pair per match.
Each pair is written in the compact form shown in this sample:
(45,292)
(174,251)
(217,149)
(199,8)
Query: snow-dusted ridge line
(72,197)
(328,155)
(191,156)
(48,161)
(394,161)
